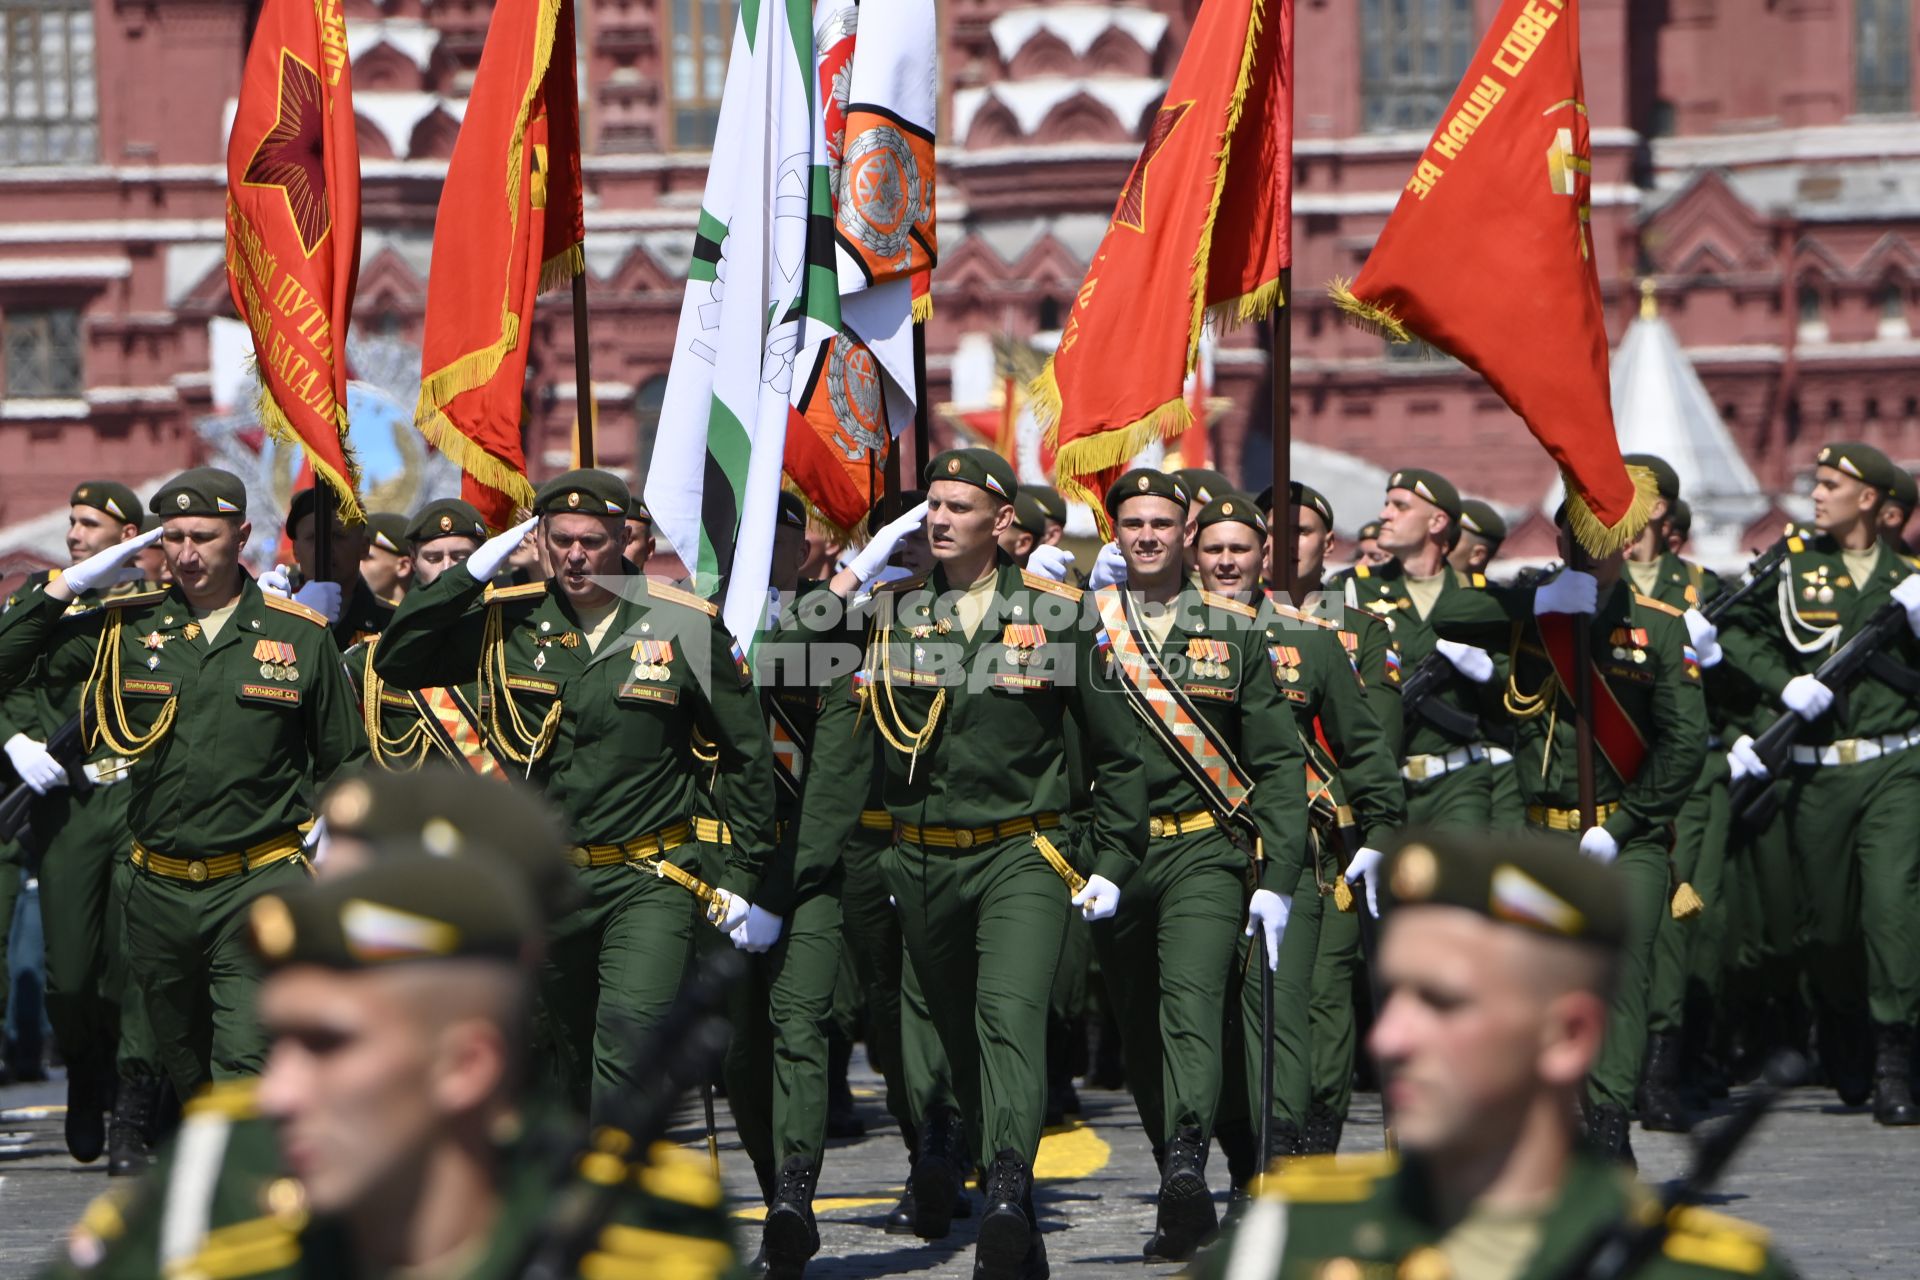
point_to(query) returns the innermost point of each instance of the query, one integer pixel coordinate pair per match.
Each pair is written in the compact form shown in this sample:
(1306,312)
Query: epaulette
(250,1248)
(901,584)
(1329,1179)
(1703,1238)
(233,1099)
(674,595)
(1048,585)
(1301,615)
(1661,605)
(1229,604)
(298,610)
(670,1173)
(142,597)
(525,591)
(1478,579)
(1362,571)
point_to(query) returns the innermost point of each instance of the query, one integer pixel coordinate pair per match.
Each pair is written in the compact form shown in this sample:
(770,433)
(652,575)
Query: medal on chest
(1022,640)
(652,659)
(1629,644)
(1207,657)
(1286,660)
(276,659)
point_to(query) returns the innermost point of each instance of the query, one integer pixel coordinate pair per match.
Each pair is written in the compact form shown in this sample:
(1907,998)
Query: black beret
(1028,514)
(1205,484)
(981,467)
(447,518)
(793,511)
(1049,499)
(584,492)
(387,530)
(1233,508)
(1477,517)
(203,491)
(1863,462)
(1431,485)
(1528,879)
(109,496)
(1666,481)
(1145,482)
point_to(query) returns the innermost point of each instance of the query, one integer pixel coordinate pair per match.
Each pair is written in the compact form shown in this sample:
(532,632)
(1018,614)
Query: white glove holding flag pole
(492,554)
(1571,591)
(1744,761)
(758,932)
(1268,910)
(1109,568)
(35,764)
(734,910)
(1906,594)
(1706,637)
(880,548)
(1098,899)
(1365,863)
(1806,697)
(1597,844)
(1474,664)
(1053,562)
(102,568)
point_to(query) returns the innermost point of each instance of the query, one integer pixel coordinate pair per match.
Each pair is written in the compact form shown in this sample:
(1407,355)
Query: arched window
(1882,61)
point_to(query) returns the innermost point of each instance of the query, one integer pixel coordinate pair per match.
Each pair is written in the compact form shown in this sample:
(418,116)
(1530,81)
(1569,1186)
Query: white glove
(276,582)
(1269,911)
(1474,664)
(316,841)
(322,598)
(1571,591)
(1109,568)
(733,910)
(103,568)
(1598,845)
(1099,899)
(1365,863)
(1745,761)
(1053,562)
(758,932)
(492,554)
(35,764)
(880,548)
(1906,594)
(1806,697)
(1706,637)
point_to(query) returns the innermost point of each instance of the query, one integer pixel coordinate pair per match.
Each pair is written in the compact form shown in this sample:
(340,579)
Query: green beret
(981,467)
(109,496)
(637,508)
(1369,530)
(1049,499)
(1431,485)
(1680,518)
(1666,480)
(1205,484)
(402,909)
(387,530)
(1905,492)
(1477,517)
(1304,495)
(1145,482)
(1538,882)
(1863,462)
(203,491)
(446,518)
(1233,508)
(1028,514)
(583,492)
(792,512)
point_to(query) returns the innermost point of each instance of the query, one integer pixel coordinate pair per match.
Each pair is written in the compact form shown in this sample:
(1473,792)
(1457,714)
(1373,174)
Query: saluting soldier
(1650,738)
(236,709)
(590,684)
(1495,959)
(1853,787)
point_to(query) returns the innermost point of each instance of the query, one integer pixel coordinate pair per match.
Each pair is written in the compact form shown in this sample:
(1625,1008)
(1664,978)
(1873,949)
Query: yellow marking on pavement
(48,1112)
(1075,1151)
(825,1204)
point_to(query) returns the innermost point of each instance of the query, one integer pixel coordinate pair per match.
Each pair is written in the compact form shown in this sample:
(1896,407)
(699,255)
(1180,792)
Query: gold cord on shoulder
(493,680)
(409,750)
(104,683)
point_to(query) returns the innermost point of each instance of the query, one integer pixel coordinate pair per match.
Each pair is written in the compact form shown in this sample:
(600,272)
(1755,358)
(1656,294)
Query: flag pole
(1583,697)
(1280,357)
(582,376)
(922,411)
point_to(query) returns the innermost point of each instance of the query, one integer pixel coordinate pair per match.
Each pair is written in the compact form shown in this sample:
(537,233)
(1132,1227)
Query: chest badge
(1207,658)
(651,659)
(1021,640)
(276,659)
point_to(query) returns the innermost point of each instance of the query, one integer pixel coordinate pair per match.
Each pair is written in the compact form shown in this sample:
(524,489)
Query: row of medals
(279,671)
(1218,670)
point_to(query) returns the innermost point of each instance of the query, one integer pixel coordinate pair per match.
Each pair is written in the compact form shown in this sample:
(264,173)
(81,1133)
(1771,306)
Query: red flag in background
(1488,257)
(1201,227)
(293,229)
(510,224)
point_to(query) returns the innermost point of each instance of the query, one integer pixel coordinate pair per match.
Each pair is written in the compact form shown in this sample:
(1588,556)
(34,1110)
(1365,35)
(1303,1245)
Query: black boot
(1062,1100)
(905,1214)
(935,1181)
(1661,1108)
(791,1235)
(130,1132)
(1187,1216)
(842,1120)
(1608,1133)
(1007,1235)
(1893,1075)
(1321,1137)
(1284,1141)
(86,1112)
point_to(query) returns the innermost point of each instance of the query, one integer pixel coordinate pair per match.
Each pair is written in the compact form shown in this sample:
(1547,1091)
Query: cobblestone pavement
(1838,1191)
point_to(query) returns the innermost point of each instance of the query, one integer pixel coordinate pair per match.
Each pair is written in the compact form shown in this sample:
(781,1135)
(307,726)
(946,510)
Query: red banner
(1619,738)
(293,229)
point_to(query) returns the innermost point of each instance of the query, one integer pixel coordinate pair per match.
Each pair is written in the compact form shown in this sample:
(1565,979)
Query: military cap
(1905,492)
(203,491)
(1680,518)
(793,511)
(1520,878)
(1431,485)
(1863,462)
(447,518)
(1666,480)
(1233,508)
(1205,484)
(637,508)
(109,496)
(1028,514)
(1145,482)
(584,492)
(409,907)
(1304,495)
(1368,531)
(1477,517)
(1049,499)
(387,530)
(981,467)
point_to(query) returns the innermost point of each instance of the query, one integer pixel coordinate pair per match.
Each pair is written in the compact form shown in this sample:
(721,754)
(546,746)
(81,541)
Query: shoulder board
(1329,1179)
(1913,562)
(525,591)
(901,584)
(1229,604)
(256,1246)
(1049,586)
(674,595)
(1707,1239)
(1479,579)
(137,598)
(1362,571)
(1301,615)
(234,1099)
(1660,605)
(314,616)
(673,1174)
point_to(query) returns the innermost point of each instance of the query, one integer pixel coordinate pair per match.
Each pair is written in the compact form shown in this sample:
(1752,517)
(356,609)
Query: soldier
(348,602)
(974,674)
(1903,495)
(385,566)
(1028,529)
(152,560)
(1496,959)
(590,684)
(1650,738)
(1055,508)
(1481,533)
(640,541)
(1853,789)
(236,708)
(1366,545)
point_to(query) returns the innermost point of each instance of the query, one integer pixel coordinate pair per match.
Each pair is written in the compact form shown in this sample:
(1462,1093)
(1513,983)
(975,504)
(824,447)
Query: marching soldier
(236,708)
(1366,545)
(350,605)
(386,567)
(1495,960)
(1055,508)
(640,540)
(1482,532)
(590,683)
(1650,738)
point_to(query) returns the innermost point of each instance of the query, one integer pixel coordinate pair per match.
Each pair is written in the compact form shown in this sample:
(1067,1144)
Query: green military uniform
(363,616)
(608,736)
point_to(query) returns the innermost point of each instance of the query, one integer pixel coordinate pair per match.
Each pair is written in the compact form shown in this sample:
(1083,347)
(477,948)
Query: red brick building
(1759,160)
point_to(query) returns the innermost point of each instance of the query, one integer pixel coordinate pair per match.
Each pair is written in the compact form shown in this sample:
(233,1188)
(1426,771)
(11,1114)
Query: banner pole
(1280,356)
(582,375)
(922,412)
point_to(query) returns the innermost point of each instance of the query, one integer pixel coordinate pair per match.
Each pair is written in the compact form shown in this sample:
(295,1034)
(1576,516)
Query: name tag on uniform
(533,684)
(666,695)
(1219,693)
(1018,681)
(280,693)
(146,686)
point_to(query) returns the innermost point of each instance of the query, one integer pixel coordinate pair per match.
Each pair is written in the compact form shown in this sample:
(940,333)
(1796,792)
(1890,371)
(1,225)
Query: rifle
(1419,699)
(1751,797)
(1624,1247)
(1757,575)
(68,746)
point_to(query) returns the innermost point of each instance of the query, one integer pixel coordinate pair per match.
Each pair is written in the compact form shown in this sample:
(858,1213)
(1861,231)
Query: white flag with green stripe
(713,483)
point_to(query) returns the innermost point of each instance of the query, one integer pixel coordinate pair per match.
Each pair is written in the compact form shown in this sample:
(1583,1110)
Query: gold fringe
(1259,304)
(475,369)
(1362,314)
(467,454)
(1602,539)
(274,419)
(562,267)
(817,518)
(923,308)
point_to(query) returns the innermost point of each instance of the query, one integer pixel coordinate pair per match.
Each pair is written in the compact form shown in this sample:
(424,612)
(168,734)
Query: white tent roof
(1660,407)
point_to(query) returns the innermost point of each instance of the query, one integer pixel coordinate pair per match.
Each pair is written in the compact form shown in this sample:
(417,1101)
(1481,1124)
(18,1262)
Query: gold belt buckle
(1156,827)
(580,857)
(1848,750)
(963,838)
(196,870)
(1417,768)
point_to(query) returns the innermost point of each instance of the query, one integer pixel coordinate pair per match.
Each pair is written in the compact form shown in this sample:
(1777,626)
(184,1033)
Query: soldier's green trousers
(197,970)
(777,1061)
(1852,830)
(135,1052)
(1333,1033)
(9,895)
(1167,956)
(1292,1016)
(1462,799)
(989,921)
(87,837)
(1507,810)
(1686,952)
